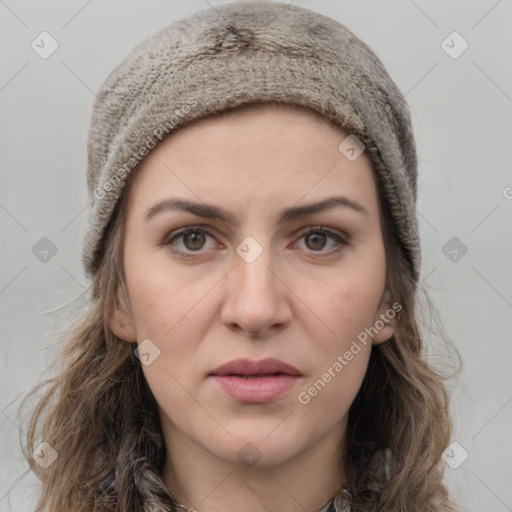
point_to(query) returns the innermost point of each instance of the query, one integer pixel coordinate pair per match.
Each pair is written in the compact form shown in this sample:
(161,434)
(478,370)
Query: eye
(316,239)
(192,239)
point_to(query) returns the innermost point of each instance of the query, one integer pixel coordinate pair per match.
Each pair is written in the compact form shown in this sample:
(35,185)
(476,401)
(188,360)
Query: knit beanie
(234,55)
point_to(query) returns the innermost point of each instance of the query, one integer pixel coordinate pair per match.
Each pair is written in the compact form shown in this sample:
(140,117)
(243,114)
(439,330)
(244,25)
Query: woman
(251,340)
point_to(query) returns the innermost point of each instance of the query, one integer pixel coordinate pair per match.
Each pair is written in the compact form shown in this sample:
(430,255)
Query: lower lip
(258,389)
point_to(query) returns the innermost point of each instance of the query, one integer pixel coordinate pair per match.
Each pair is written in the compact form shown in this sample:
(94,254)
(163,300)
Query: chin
(262,444)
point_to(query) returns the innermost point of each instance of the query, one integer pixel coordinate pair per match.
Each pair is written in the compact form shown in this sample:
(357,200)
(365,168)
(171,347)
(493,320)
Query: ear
(121,321)
(385,320)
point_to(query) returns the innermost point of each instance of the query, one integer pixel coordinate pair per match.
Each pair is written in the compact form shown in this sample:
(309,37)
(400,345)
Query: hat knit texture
(237,54)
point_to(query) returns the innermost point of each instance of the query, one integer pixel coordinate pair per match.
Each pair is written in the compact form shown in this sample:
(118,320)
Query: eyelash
(342,242)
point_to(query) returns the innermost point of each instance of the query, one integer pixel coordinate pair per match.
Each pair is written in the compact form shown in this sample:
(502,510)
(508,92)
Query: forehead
(273,150)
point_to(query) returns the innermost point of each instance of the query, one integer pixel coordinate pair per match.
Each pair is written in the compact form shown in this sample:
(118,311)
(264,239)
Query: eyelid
(343,239)
(208,230)
(342,243)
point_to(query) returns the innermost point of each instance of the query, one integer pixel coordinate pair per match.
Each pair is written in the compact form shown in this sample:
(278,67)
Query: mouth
(254,369)
(256,381)
(257,376)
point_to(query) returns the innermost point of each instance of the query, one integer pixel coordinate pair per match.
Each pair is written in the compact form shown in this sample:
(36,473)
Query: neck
(199,480)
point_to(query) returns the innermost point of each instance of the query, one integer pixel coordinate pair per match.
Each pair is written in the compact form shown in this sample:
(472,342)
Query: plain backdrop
(459,89)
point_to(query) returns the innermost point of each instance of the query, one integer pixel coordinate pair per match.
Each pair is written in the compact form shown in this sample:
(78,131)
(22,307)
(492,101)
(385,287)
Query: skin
(214,307)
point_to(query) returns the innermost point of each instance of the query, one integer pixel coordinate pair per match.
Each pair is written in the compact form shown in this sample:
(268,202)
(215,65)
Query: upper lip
(266,366)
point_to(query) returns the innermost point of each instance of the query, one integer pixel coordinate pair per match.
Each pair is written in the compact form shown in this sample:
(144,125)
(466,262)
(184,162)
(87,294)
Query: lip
(270,379)
(266,366)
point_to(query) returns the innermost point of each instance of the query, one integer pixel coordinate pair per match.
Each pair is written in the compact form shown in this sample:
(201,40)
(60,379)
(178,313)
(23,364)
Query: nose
(257,299)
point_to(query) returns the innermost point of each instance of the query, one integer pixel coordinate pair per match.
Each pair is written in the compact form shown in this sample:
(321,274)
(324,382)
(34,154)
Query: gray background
(461,110)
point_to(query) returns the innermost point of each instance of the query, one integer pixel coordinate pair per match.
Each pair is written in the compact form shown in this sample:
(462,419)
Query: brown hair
(100,416)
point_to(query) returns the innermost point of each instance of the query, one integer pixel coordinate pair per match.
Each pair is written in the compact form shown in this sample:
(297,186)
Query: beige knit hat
(240,53)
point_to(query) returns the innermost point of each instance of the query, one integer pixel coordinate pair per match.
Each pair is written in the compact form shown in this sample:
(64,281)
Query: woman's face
(253,279)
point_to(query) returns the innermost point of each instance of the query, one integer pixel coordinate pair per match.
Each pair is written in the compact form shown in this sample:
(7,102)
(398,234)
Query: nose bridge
(256,298)
(253,264)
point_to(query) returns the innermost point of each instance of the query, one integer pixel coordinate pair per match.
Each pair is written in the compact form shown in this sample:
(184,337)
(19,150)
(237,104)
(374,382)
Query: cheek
(346,304)
(165,301)
(174,313)
(339,368)
(332,390)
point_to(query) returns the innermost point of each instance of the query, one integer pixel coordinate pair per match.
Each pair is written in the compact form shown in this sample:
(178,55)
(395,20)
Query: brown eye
(194,240)
(187,241)
(317,238)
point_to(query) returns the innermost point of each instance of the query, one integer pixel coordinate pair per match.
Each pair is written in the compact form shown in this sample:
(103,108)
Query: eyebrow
(286,215)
